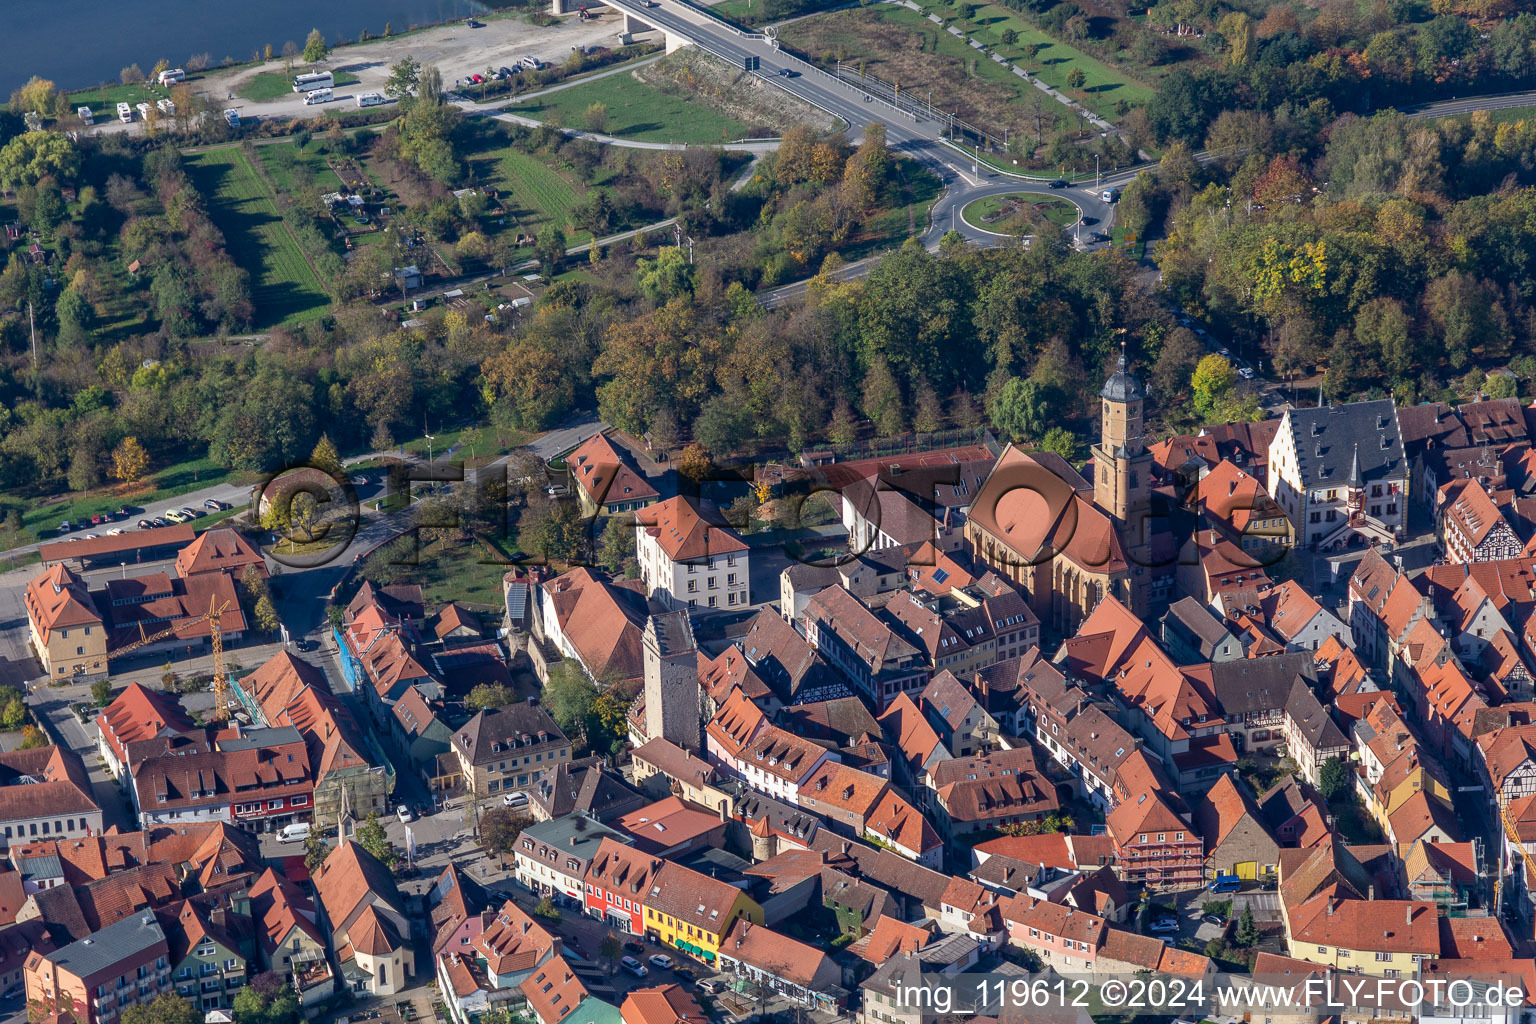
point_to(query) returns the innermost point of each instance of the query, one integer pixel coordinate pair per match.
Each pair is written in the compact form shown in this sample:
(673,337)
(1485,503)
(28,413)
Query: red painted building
(617,883)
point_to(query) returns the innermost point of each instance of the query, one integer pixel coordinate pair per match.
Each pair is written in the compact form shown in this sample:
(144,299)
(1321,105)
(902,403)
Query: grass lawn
(1135,248)
(272,85)
(103,102)
(286,160)
(881,37)
(635,111)
(284,288)
(162,485)
(906,215)
(461,571)
(993,213)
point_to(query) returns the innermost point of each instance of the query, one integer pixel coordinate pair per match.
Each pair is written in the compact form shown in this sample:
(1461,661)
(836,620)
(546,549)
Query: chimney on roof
(1330,908)
(1410,913)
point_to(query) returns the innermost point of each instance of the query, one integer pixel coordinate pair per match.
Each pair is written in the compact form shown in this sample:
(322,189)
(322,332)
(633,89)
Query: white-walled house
(689,557)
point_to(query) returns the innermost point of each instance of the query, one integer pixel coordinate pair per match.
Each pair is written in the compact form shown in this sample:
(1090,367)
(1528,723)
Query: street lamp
(1097,181)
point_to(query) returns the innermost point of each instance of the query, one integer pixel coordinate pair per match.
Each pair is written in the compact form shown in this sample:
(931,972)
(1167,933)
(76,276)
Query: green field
(285,161)
(1104,85)
(539,195)
(271,85)
(982,213)
(635,111)
(858,35)
(284,288)
(103,102)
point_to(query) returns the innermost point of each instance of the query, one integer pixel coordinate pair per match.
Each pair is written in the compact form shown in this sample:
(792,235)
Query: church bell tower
(1122,484)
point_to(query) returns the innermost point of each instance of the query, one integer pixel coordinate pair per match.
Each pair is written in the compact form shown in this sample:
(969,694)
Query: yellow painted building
(67,632)
(692,912)
(1397,785)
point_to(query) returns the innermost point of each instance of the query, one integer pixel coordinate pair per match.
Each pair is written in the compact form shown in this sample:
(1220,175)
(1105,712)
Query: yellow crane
(1515,841)
(213,616)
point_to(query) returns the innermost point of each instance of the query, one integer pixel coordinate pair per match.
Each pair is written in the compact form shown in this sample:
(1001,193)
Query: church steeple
(1122,478)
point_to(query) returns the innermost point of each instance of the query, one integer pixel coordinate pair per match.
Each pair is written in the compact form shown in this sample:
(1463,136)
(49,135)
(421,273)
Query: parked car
(192,513)
(159,521)
(634,947)
(1163,925)
(661,960)
(98,519)
(1215,919)
(91,536)
(404,814)
(1225,883)
(122,513)
(215,504)
(145,524)
(477,79)
(116,531)
(1246,373)
(506,72)
(712,986)
(305,644)
(634,967)
(175,515)
(683,974)
(66,526)
(518,799)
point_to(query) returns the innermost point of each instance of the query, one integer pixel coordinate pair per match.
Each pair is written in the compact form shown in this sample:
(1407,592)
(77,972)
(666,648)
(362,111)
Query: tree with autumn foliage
(129,461)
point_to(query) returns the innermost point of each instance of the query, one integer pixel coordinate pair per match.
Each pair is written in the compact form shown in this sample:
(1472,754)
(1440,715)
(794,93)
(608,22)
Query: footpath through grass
(635,111)
(284,288)
(1000,213)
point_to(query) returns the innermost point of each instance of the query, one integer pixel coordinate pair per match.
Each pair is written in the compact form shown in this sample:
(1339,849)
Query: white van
(518,799)
(318,96)
(371,99)
(295,833)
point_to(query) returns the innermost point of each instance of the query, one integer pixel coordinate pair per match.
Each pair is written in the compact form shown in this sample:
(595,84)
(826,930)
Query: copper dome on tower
(1121,386)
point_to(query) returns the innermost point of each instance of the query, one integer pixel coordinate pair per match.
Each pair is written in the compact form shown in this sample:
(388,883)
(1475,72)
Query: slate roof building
(1341,474)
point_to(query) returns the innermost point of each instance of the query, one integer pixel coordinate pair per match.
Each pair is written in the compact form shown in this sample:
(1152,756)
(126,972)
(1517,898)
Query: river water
(89,42)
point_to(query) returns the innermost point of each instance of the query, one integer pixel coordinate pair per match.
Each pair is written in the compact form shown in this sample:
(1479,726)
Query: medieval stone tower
(672,680)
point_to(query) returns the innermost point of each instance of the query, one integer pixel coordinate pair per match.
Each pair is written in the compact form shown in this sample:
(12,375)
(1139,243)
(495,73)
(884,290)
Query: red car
(477,79)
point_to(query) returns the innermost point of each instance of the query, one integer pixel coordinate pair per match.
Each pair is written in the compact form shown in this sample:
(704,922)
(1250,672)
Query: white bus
(312,81)
(125,113)
(318,96)
(171,75)
(371,99)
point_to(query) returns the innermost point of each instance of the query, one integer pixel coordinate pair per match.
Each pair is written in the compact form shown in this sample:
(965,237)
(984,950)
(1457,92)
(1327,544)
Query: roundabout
(1009,214)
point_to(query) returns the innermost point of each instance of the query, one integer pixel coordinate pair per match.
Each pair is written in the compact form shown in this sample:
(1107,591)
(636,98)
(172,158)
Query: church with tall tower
(1069,542)
(1122,465)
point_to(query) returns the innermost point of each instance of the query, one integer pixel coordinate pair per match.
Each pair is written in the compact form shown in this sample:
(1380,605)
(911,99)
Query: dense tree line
(1398,254)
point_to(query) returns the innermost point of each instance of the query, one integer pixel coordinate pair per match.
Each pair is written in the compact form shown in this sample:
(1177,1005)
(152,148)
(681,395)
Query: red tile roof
(603,621)
(554,991)
(688,533)
(598,469)
(220,549)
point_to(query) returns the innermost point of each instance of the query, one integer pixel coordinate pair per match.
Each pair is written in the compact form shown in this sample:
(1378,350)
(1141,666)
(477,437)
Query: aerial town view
(777,512)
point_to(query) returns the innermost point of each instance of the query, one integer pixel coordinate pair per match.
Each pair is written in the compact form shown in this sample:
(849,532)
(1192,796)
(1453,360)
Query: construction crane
(214,617)
(1515,841)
